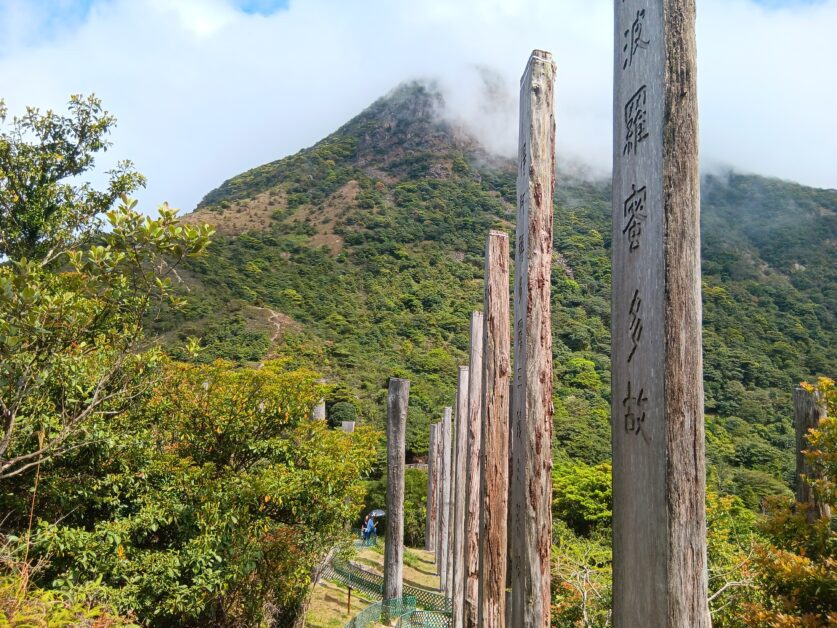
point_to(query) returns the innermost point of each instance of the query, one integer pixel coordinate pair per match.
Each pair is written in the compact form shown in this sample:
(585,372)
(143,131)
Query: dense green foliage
(415,504)
(217,496)
(173,493)
(410,201)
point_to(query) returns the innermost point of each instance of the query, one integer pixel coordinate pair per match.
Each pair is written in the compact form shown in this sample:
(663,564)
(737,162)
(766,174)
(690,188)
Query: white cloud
(203,91)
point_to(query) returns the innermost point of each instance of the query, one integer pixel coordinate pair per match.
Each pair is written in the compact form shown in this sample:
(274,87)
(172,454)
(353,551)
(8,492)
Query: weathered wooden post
(318,413)
(809,409)
(348,427)
(494,460)
(397,401)
(659,518)
(432,490)
(531,489)
(451,512)
(444,512)
(472,483)
(460,473)
(439,497)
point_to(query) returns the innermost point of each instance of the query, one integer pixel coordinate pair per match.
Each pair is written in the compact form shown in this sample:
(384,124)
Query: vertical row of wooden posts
(490,485)
(494,454)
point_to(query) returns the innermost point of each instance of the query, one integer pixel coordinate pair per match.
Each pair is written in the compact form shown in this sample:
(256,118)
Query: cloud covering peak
(204,89)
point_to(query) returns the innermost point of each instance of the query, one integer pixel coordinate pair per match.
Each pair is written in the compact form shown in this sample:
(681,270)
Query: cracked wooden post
(809,409)
(472,483)
(451,512)
(659,518)
(531,488)
(432,490)
(460,473)
(397,401)
(494,460)
(444,512)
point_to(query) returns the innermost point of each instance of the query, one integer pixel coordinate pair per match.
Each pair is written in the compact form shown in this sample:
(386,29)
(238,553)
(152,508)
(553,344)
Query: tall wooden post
(531,488)
(494,461)
(659,518)
(472,484)
(439,497)
(432,490)
(397,401)
(460,474)
(809,409)
(451,513)
(444,511)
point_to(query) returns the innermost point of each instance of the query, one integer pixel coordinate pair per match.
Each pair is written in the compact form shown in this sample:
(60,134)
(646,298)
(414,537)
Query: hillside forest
(158,462)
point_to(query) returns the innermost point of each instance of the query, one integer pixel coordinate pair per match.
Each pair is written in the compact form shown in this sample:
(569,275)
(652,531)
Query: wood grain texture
(809,408)
(460,473)
(494,459)
(659,534)
(685,439)
(439,496)
(397,401)
(532,423)
(444,506)
(432,491)
(472,483)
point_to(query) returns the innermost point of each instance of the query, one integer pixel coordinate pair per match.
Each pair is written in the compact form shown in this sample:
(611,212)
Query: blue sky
(204,89)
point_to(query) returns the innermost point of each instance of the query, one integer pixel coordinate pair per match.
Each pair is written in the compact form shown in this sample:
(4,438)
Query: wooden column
(461,473)
(444,508)
(659,518)
(494,459)
(397,400)
(432,490)
(318,413)
(809,409)
(439,497)
(531,488)
(472,484)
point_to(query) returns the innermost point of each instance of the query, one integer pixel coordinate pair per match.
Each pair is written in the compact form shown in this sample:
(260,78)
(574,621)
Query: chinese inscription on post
(635,326)
(634,39)
(634,213)
(636,119)
(634,407)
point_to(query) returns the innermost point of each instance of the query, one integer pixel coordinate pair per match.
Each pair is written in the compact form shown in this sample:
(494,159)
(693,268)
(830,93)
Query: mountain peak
(400,133)
(411,118)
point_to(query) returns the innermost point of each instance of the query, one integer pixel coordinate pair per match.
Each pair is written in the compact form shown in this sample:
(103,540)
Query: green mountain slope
(362,256)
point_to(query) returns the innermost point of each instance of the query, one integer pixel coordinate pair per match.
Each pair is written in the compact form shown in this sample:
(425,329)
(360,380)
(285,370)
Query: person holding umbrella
(371,525)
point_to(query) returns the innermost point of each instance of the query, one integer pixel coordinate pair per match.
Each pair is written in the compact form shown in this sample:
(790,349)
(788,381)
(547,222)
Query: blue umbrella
(378,512)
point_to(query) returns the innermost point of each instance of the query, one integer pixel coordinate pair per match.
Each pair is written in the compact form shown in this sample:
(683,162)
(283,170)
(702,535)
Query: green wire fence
(424,619)
(371,583)
(384,612)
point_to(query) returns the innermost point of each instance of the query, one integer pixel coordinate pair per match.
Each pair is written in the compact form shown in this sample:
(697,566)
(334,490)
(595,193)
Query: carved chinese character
(635,326)
(634,39)
(634,215)
(634,411)
(636,119)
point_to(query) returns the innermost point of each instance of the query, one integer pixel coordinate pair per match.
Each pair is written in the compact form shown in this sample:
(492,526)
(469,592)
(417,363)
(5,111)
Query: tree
(73,296)
(42,211)
(210,503)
